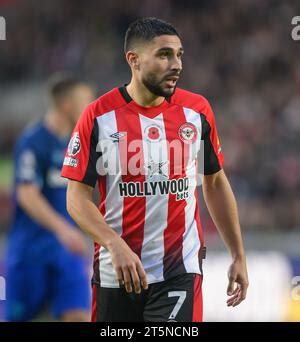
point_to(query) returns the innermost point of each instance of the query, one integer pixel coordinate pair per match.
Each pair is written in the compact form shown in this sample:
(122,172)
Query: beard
(155,86)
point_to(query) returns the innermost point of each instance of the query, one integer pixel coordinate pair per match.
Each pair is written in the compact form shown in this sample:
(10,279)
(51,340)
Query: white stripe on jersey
(107,125)
(191,240)
(156,216)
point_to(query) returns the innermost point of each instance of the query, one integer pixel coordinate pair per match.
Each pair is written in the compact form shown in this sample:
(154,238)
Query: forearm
(88,217)
(222,207)
(39,209)
(127,265)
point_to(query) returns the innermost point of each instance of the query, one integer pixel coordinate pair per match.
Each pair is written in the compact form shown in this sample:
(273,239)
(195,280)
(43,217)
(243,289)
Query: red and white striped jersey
(146,161)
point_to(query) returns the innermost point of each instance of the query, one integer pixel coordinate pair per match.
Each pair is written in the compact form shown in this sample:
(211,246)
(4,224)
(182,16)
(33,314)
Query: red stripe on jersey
(102,191)
(173,260)
(197,302)
(134,208)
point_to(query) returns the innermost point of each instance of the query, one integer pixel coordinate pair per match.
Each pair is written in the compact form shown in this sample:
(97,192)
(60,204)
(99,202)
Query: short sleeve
(28,164)
(213,155)
(81,156)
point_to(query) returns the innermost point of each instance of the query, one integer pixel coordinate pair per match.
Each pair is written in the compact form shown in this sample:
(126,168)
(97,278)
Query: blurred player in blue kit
(46,253)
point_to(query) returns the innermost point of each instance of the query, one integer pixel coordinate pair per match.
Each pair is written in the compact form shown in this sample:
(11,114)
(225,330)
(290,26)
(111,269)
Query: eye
(163,54)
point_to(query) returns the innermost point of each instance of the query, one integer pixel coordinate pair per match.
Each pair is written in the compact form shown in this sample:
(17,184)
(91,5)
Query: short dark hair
(145,29)
(61,84)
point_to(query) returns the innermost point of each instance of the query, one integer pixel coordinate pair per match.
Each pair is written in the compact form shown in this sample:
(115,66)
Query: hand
(72,239)
(238,282)
(128,266)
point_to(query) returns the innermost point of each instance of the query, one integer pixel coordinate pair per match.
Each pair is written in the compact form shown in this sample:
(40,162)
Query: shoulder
(105,103)
(191,100)
(31,135)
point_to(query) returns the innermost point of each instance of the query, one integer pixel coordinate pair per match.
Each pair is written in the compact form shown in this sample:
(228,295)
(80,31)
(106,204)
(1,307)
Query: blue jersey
(38,160)
(39,268)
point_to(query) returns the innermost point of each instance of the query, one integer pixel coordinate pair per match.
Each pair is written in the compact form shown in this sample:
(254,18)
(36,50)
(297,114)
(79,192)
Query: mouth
(171,81)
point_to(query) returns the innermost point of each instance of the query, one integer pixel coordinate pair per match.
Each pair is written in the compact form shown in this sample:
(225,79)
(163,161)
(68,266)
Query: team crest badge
(153,133)
(74,145)
(187,132)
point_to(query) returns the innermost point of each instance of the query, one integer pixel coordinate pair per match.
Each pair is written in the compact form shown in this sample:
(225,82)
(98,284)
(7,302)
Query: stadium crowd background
(238,54)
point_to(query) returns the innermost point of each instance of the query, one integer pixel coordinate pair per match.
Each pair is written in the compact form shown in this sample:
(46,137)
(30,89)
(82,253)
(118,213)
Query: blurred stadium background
(241,56)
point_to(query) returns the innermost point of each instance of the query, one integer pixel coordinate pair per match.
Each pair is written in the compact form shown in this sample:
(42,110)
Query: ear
(133,59)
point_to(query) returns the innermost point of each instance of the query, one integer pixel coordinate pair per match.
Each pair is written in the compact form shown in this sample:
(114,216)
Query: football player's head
(154,52)
(69,96)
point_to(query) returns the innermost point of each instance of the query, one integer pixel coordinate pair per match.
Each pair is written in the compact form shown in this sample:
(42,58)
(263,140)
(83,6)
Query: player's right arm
(80,167)
(126,263)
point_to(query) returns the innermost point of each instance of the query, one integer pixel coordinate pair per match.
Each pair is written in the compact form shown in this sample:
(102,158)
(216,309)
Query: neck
(142,96)
(58,124)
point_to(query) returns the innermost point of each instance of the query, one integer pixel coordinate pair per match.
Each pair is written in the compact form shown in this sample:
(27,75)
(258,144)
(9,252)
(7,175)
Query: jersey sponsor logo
(74,145)
(187,132)
(69,161)
(118,136)
(178,187)
(153,133)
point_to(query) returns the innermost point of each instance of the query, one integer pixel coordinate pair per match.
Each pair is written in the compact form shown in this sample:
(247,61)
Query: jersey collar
(147,111)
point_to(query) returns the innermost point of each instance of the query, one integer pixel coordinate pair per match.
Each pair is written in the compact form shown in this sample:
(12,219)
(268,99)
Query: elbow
(214,181)
(209,184)
(20,196)
(71,206)
(25,191)
(77,197)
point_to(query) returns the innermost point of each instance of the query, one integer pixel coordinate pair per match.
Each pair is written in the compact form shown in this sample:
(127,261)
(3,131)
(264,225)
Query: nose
(176,64)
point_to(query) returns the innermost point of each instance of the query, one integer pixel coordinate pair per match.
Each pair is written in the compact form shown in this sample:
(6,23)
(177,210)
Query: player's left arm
(222,207)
